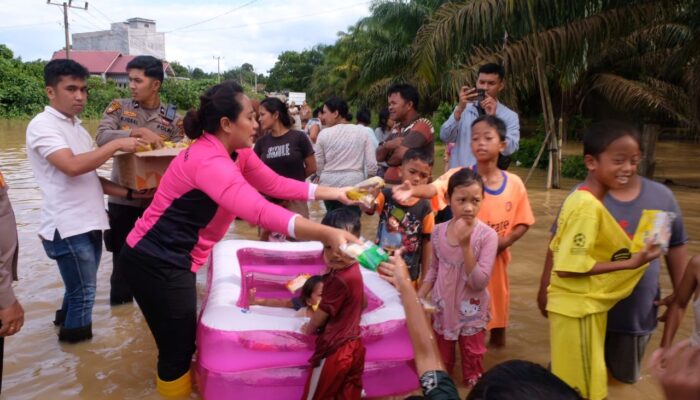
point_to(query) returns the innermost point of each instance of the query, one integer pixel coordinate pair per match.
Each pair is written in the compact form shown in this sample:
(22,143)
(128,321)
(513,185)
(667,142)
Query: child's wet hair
(416,154)
(308,289)
(518,379)
(463,177)
(495,123)
(600,135)
(343,218)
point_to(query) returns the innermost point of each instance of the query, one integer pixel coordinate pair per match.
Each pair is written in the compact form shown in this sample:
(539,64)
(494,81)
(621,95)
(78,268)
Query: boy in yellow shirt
(595,263)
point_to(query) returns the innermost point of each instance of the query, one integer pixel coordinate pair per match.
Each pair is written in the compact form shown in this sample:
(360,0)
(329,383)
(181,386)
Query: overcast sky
(253,31)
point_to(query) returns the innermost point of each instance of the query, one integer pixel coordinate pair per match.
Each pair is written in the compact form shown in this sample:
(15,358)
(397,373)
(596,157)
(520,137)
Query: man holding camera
(474,102)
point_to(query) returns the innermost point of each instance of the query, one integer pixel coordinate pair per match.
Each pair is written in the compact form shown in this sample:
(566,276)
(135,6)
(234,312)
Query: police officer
(146,117)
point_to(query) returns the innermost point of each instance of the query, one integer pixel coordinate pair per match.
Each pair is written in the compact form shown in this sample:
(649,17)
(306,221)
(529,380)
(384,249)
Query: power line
(299,17)
(213,18)
(102,14)
(27,25)
(89,21)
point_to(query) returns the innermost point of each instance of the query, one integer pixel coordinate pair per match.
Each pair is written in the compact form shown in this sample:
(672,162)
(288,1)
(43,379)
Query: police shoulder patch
(113,106)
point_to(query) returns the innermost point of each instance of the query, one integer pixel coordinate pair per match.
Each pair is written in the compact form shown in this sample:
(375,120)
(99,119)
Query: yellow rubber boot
(181,386)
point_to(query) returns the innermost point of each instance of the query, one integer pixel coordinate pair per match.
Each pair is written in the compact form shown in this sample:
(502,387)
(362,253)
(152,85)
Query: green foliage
(185,93)
(573,167)
(21,87)
(179,69)
(293,70)
(101,94)
(6,53)
(440,116)
(528,149)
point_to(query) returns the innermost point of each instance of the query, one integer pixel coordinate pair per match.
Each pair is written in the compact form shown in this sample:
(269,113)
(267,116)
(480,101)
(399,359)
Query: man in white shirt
(63,159)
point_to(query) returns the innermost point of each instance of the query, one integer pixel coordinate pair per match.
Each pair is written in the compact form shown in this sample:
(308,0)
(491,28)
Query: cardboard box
(143,170)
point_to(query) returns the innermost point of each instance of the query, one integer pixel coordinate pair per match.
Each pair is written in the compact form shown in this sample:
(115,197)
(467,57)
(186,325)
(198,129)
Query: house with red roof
(107,64)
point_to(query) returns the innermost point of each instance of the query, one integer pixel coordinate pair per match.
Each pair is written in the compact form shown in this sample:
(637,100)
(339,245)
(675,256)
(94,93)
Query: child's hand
(650,252)
(666,301)
(463,230)
(402,192)
(395,270)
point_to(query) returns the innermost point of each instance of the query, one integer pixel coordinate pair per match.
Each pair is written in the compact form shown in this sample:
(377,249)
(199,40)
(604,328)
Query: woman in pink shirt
(204,189)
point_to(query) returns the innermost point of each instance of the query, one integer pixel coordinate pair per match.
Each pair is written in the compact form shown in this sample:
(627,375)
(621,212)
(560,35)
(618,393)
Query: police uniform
(120,117)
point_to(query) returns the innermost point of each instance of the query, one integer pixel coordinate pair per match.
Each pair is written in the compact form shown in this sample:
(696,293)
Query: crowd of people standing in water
(450,237)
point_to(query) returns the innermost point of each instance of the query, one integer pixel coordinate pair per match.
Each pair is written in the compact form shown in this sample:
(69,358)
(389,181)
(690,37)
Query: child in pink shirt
(464,250)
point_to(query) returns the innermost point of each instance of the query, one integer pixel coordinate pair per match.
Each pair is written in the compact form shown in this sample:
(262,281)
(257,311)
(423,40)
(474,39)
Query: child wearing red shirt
(338,362)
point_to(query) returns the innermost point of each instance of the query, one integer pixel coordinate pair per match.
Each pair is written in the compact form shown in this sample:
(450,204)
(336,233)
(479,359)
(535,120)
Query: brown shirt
(416,135)
(8,247)
(123,115)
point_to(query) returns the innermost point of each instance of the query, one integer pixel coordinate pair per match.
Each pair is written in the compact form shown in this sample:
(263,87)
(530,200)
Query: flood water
(119,362)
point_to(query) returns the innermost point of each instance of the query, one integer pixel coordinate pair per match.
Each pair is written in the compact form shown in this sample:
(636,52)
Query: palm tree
(584,49)
(376,51)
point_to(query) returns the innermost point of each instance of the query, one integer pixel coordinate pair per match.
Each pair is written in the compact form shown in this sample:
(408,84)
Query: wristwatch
(129,194)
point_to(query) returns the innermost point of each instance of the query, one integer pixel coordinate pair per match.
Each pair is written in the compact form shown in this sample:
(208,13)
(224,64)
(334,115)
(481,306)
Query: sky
(238,31)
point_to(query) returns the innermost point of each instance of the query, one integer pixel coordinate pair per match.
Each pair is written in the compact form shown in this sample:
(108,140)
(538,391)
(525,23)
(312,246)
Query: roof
(97,62)
(104,62)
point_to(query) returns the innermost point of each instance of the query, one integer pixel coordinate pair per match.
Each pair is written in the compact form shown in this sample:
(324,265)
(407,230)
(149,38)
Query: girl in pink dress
(464,250)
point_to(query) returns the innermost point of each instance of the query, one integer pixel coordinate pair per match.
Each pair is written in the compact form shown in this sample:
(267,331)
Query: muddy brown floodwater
(119,362)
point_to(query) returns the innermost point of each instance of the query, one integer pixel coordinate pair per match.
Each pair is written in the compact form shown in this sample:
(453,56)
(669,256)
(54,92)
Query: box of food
(144,169)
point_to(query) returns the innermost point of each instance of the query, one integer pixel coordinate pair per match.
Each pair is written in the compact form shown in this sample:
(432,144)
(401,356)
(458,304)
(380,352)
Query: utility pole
(218,66)
(65,7)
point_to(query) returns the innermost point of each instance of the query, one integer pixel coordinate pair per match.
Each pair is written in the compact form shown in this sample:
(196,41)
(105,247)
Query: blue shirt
(460,132)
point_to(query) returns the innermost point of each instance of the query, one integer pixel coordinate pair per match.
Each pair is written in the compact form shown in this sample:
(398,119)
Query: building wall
(134,37)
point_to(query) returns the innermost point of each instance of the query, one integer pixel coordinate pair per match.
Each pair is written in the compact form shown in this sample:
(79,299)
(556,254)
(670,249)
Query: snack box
(143,170)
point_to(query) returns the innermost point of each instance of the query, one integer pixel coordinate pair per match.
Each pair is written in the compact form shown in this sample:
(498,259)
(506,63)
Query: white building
(136,36)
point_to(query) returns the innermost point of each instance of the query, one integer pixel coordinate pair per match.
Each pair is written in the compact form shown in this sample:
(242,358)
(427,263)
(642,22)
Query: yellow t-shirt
(588,234)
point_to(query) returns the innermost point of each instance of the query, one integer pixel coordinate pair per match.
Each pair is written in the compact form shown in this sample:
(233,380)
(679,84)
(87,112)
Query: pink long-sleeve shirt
(202,192)
(461,299)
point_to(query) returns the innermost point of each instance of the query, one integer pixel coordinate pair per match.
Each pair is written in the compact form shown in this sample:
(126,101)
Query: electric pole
(65,7)
(218,66)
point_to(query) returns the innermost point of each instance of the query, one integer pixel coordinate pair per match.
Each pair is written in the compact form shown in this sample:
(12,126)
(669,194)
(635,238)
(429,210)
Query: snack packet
(368,254)
(366,191)
(655,228)
(296,283)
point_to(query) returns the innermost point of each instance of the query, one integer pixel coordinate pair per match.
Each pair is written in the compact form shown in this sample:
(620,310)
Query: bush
(439,117)
(573,167)
(528,149)
(101,94)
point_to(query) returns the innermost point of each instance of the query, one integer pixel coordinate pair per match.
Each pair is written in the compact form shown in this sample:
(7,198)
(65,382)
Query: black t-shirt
(285,154)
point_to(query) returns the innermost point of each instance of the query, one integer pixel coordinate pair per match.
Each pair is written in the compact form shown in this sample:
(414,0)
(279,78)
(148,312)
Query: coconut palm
(637,55)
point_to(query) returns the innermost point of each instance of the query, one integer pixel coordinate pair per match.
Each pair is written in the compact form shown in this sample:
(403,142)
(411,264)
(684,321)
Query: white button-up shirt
(71,205)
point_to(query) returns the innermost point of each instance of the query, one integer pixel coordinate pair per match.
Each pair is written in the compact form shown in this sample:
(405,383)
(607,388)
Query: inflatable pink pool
(259,352)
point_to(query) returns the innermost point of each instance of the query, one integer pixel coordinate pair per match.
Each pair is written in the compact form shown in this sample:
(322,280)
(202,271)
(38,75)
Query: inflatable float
(259,352)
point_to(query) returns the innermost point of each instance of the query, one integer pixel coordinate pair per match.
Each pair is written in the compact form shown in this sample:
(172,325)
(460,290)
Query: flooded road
(119,362)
